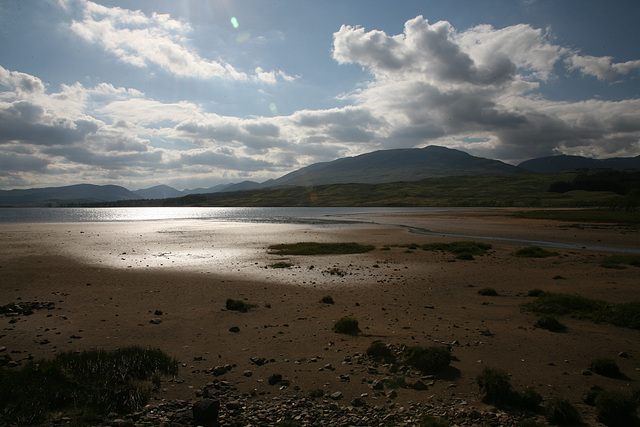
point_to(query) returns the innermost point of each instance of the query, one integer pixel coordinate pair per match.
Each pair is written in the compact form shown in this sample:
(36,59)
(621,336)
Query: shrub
(616,409)
(534,252)
(529,399)
(86,386)
(327,300)
(346,325)
(496,386)
(430,421)
(606,367)
(550,323)
(561,412)
(381,352)
(238,305)
(488,292)
(428,360)
(590,396)
(535,292)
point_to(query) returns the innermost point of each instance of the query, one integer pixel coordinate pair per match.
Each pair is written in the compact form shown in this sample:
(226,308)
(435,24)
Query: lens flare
(234,22)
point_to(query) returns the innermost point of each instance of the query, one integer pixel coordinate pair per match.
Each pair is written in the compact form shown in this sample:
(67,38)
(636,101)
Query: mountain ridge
(377,167)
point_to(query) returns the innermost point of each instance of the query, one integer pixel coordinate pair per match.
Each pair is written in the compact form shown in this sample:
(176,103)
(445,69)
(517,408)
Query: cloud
(433,84)
(601,67)
(140,40)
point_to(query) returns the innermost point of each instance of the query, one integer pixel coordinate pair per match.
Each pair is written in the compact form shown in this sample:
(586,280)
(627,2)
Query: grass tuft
(488,292)
(561,412)
(85,386)
(550,323)
(379,351)
(620,261)
(625,315)
(327,299)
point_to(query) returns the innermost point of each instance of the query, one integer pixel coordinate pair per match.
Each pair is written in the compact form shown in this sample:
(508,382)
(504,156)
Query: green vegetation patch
(534,252)
(626,315)
(84,386)
(462,250)
(313,248)
(584,215)
(621,261)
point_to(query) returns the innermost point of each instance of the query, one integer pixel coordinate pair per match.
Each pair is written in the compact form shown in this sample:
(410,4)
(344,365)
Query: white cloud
(433,84)
(141,40)
(601,67)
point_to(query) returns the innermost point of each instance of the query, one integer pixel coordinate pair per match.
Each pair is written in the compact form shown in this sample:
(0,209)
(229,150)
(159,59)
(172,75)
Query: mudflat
(109,281)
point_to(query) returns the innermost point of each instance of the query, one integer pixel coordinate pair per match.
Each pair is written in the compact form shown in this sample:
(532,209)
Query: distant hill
(398,165)
(72,194)
(553,164)
(158,192)
(378,167)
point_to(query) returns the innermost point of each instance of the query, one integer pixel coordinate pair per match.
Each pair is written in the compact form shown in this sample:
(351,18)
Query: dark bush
(616,409)
(550,323)
(346,325)
(275,379)
(381,352)
(534,252)
(590,396)
(327,299)
(488,292)
(560,411)
(535,292)
(606,367)
(496,386)
(428,360)
(238,305)
(528,399)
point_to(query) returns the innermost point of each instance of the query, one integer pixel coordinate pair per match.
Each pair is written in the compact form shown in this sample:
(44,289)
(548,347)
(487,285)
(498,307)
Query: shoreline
(419,298)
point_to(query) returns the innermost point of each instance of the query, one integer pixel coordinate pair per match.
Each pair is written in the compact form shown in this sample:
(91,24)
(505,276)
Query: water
(288,214)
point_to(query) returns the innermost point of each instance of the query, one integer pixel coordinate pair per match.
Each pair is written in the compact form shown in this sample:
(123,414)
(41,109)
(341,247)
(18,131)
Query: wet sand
(108,279)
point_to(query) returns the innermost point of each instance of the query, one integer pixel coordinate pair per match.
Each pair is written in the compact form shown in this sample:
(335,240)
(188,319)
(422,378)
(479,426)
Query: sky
(196,93)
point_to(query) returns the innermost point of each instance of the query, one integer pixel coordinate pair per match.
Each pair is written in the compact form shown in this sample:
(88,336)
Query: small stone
(234,329)
(392,394)
(157,313)
(247,373)
(624,355)
(358,402)
(219,370)
(336,395)
(586,372)
(155,321)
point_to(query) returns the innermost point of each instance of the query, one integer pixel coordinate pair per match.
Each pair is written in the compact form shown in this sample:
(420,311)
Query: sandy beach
(109,280)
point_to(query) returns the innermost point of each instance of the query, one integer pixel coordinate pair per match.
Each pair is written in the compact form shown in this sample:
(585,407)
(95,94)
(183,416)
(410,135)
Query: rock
(234,405)
(336,395)
(157,313)
(392,394)
(247,373)
(258,360)
(624,355)
(205,412)
(377,385)
(358,402)
(586,372)
(155,321)
(219,370)
(234,329)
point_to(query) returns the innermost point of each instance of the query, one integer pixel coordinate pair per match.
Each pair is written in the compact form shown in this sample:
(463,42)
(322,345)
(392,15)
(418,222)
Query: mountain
(72,194)
(158,192)
(385,166)
(553,164)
